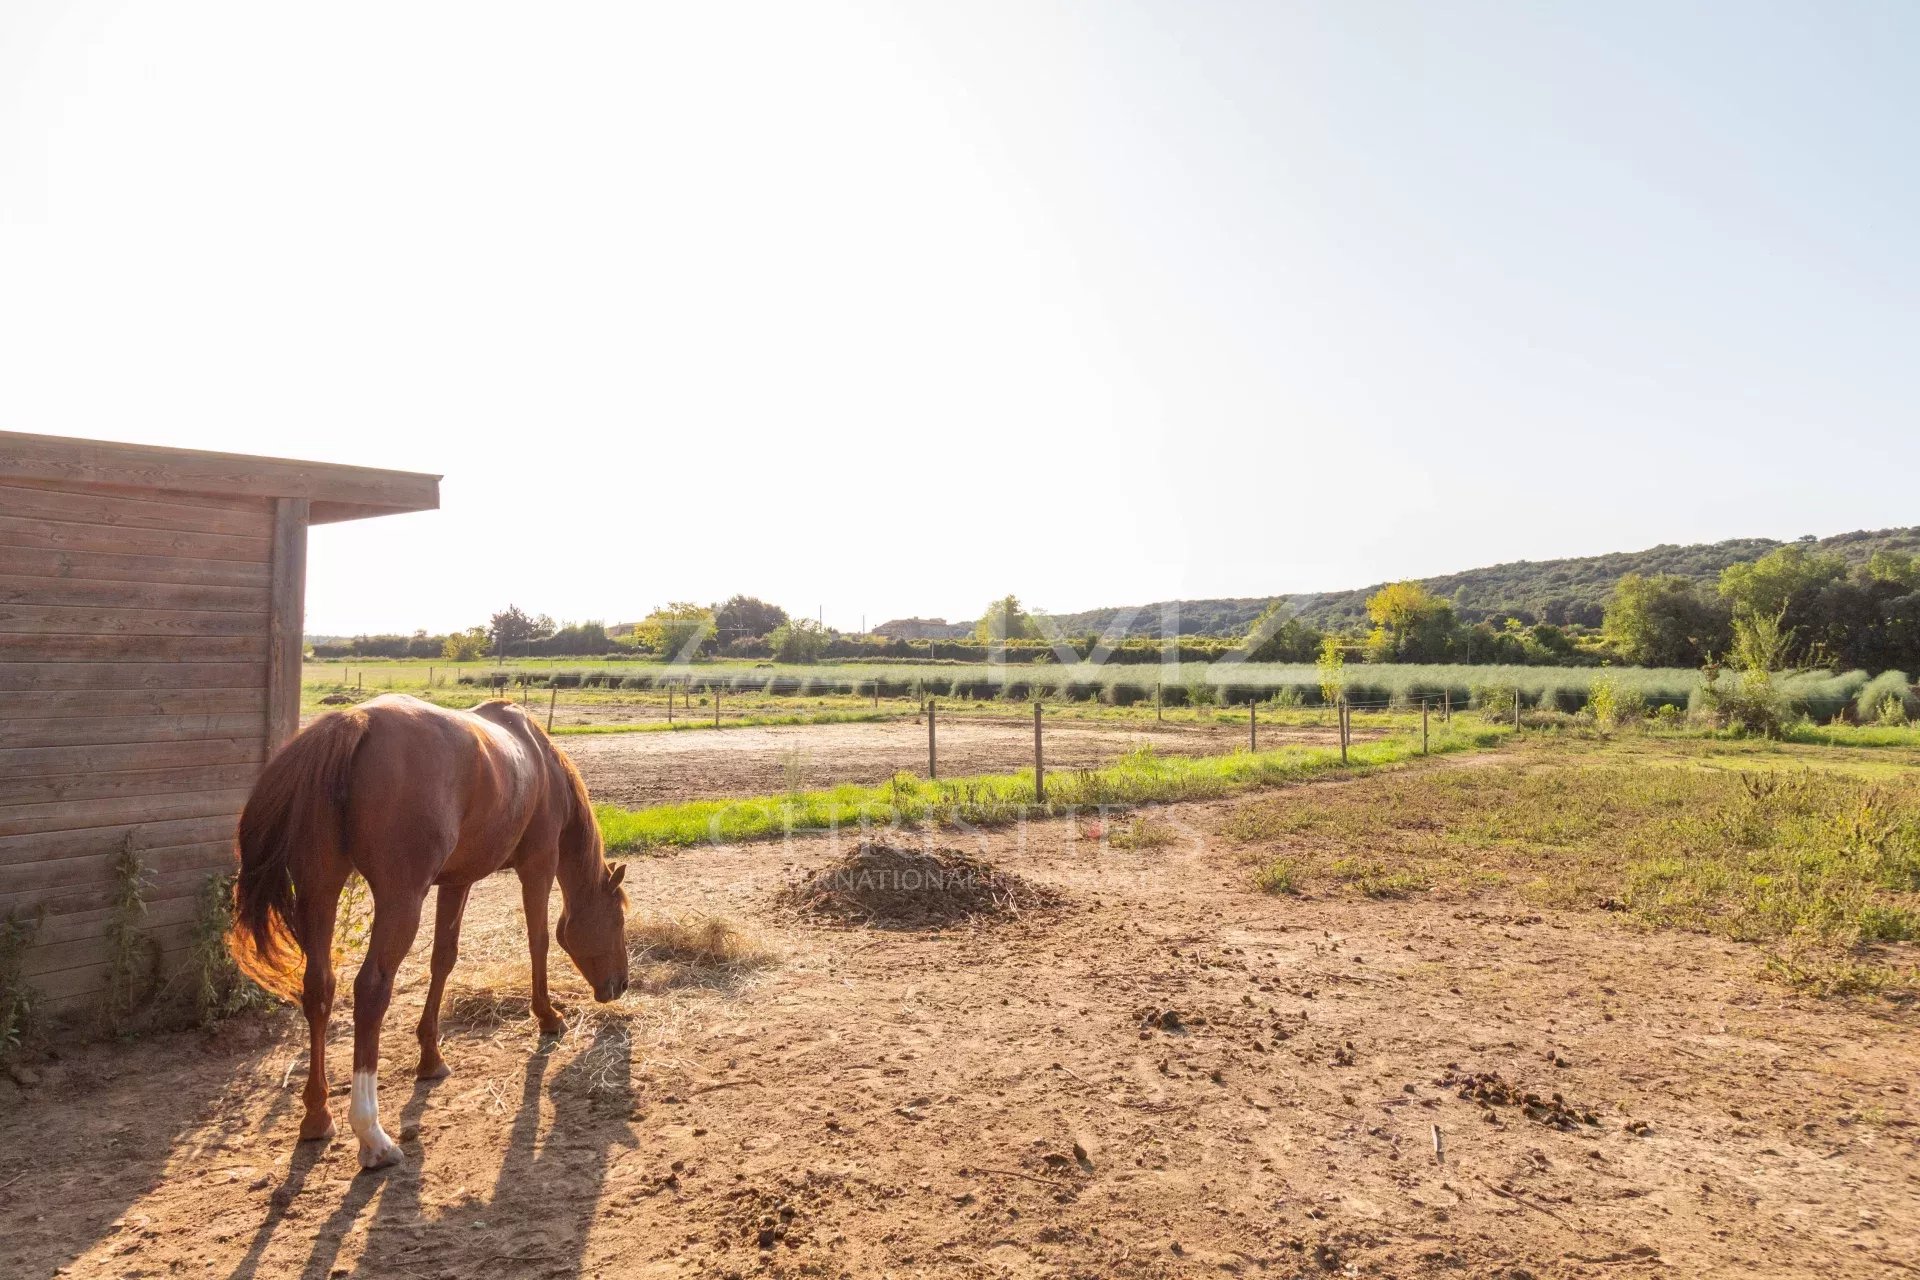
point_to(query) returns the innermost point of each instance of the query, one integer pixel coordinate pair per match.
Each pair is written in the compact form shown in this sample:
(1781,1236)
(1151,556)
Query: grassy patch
(1144,832)
(1279,875)
(742,722)
(1814,864)
(1143,777)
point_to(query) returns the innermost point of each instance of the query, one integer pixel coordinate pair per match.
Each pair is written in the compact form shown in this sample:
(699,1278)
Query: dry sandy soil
(993,1101)
(636,769)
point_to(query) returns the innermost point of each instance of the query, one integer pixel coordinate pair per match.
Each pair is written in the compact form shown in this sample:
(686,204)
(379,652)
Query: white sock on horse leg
(376,1148)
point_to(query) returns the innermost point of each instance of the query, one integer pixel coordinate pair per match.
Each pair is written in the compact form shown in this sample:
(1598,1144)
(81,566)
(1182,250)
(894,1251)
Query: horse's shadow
(544,1196)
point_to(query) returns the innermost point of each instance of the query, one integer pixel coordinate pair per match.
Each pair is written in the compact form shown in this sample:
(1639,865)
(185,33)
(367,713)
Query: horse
(413,795)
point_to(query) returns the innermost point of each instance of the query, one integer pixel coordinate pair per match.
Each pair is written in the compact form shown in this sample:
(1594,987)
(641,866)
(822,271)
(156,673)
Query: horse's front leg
(450,903)
(395,919)
(534,889)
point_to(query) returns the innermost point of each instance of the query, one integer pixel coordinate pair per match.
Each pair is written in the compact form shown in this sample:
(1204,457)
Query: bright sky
(889,308)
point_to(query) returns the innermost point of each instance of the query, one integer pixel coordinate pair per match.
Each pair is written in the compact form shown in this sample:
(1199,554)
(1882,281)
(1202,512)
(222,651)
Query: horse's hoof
(316,1129)
(436,1070)
(380,1153)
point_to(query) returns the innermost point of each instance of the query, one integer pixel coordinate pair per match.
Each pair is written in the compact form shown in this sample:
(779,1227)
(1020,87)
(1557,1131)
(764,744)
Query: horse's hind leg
(396,917)
(450,901)
(318,911)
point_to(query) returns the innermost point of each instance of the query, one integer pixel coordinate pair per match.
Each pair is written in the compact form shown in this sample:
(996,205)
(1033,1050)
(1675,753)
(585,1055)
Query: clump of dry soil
(889,887)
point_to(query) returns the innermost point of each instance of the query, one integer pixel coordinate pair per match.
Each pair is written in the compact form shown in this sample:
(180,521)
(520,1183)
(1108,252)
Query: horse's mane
(581,824)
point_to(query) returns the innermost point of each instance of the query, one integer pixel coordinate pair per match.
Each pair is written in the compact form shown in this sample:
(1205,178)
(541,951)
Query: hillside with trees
(1558,592)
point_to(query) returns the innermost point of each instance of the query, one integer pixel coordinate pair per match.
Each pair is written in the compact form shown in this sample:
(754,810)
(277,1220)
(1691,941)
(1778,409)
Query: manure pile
(887,887)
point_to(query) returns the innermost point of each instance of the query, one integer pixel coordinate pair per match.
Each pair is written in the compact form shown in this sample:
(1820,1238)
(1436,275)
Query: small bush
(1870,704)
(1748,702)
(1495,705)
(219,988)
(1612,706)
(19,1003)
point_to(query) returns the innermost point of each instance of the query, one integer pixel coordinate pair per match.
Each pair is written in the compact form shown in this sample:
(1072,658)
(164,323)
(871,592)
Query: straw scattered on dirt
(886,886)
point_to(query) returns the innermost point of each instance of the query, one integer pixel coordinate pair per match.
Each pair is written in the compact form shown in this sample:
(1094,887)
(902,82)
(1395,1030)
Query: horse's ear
(618,874)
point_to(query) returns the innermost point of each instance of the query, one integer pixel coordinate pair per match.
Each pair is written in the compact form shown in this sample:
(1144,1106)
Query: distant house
(923,629)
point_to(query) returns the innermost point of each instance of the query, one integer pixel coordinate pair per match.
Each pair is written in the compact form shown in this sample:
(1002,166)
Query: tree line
(1825,612)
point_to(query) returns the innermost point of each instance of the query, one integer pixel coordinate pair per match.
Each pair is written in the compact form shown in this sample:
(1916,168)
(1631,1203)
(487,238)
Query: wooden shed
(151,609)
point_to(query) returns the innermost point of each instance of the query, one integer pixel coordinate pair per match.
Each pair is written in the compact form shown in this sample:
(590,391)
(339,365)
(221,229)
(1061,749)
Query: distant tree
(1410,624)
(1332,666)
(514,626)
(746,616)
(1277,636)
(578,638)
(1761,641)
(1005,619)
(1664,621)
(1896,567)
(465,646)
(680,630)
(1770,584)
(799,640)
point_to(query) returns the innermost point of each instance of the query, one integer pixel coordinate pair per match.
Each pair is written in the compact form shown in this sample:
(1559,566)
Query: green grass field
(1776,844)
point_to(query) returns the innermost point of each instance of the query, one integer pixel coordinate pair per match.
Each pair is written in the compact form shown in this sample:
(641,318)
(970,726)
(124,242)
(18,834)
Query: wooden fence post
(1345,725)
(1446,706)
(1156,701)
(553,697)
(716,706)
(1516,708)
(1253,726)
(876,695)
(1039,761)
(1423,726)
(669,704)
(933,759)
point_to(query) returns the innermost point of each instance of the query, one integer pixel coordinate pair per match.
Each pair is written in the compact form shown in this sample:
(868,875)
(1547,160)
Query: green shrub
(219,988)
(1747,701)
(19,1003)
(1871,702)
(1495,704)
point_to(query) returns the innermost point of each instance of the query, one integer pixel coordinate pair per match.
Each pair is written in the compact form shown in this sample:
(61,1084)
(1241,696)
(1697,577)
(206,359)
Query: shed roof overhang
(334,492)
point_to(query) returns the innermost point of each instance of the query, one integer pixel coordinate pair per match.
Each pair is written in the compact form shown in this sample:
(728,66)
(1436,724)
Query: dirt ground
(1012,1101)
(636,769)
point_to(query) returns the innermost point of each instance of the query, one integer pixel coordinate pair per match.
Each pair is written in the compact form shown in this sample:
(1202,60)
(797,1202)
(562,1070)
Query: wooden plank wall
(133,703)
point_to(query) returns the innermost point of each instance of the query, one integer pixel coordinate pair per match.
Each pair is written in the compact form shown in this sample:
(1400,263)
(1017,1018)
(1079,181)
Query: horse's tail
(290,827)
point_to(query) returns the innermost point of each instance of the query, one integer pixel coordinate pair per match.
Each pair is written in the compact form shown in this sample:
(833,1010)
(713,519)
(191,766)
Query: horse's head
(593,930)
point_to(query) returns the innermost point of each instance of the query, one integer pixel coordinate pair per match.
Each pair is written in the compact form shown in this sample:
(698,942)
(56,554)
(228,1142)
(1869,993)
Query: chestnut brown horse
(412,795)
